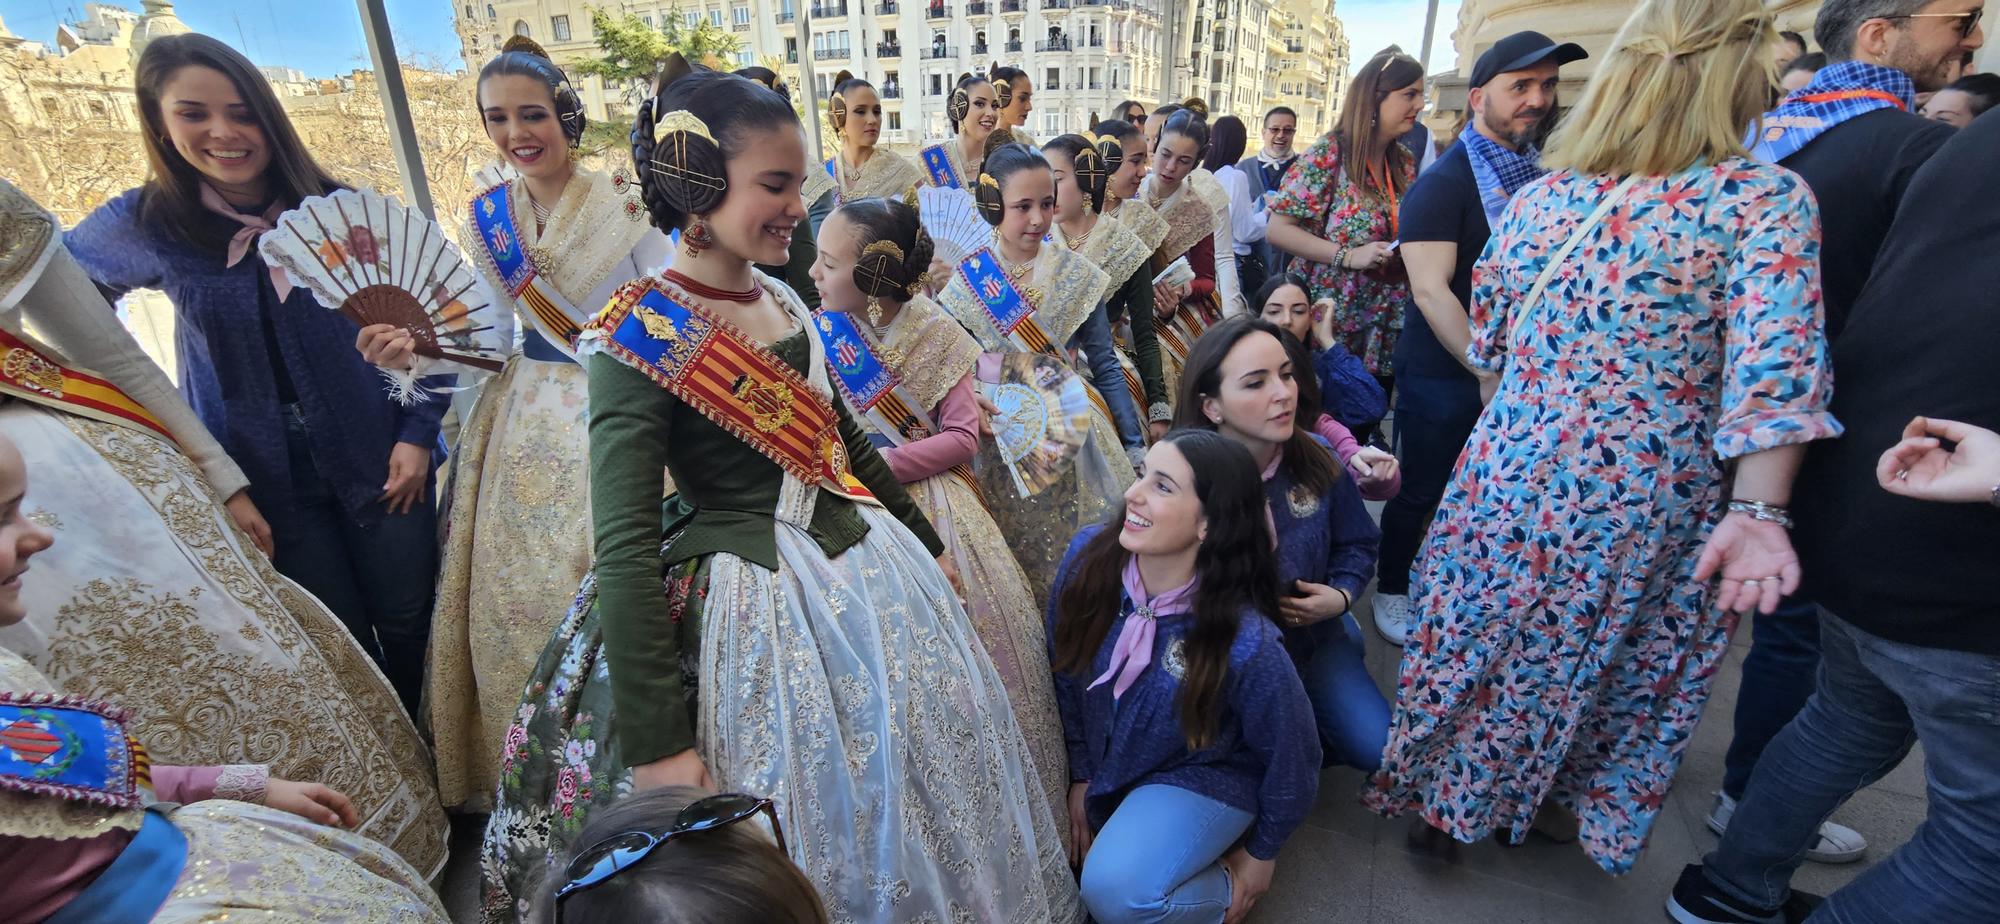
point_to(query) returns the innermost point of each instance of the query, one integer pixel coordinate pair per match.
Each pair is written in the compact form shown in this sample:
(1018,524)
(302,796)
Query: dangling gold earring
(875,312)
(698,238)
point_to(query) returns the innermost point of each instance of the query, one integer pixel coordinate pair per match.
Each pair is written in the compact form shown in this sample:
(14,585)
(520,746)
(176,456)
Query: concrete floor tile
(1322,877)
(1408,887)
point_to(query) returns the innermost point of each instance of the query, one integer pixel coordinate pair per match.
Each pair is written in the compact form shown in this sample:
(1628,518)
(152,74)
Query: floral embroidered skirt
(854,693)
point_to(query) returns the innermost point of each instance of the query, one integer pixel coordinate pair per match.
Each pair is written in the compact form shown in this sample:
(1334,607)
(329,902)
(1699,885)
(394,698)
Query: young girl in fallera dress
(906,370)
(1082,168)
(1133,319)
(556,241)
(974,112)
(860,169)
(794,592)
(1197,215)
(1190,739)
(1061,295)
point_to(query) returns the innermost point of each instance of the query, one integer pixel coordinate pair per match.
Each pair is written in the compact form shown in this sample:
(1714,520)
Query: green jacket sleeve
(880,481)
(1138,295)
(629,419)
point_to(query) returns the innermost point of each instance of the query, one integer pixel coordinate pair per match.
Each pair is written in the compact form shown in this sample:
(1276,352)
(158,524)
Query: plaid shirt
(1499,172)
(1798,120)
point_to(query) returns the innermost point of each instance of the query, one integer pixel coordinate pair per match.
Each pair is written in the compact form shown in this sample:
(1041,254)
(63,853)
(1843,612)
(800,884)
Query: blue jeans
(1874,699)
(1352,715)
(1778,677)
(1434,418)
(379,580)
(1158,859)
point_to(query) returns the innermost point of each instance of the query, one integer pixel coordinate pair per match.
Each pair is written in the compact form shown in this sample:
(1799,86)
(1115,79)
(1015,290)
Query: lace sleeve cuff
(1160,413)
(242,782)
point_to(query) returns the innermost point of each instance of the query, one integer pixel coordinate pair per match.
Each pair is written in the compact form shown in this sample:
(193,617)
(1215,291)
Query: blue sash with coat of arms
(938,164)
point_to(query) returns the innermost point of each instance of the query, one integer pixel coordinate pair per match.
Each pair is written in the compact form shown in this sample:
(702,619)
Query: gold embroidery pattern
(33,372)
(243,860)
(281,684)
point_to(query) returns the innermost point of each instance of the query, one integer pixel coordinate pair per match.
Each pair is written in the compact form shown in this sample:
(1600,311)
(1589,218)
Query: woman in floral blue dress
(1656,397)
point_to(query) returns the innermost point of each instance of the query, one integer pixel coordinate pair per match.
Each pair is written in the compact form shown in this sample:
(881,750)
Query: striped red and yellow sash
(28,373)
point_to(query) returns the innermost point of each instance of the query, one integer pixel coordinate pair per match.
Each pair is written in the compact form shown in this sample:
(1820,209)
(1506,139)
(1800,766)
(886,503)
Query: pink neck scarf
(253,225)
(1134,650)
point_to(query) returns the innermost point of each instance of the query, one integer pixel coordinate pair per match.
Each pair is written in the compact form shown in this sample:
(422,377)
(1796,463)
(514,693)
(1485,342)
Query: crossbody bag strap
(1556,261)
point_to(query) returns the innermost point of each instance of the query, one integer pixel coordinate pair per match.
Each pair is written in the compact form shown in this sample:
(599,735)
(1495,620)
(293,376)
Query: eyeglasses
(1282,131)
(1967,21)
(613,855)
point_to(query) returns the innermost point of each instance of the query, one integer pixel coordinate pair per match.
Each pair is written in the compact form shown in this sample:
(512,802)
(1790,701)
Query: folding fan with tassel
(378,262)
(954,223)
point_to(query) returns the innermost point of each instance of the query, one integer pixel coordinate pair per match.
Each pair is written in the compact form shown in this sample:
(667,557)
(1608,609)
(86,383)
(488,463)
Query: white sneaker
(1392,616)
(1836,844)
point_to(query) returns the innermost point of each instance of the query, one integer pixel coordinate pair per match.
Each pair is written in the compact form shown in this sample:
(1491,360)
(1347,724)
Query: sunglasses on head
(609,857)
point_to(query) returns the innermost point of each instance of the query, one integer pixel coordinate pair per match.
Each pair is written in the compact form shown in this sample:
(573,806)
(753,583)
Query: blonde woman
(859,170)
(1642,443)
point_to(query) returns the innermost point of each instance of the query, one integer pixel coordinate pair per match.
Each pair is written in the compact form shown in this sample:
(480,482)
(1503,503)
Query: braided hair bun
(895,250)
(959,104)
(1001,163)
(521,56)
(687,130)
(836,104)
(1087,165)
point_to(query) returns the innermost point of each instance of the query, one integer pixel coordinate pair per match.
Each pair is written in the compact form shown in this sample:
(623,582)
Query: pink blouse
(955,442)
(1344,447)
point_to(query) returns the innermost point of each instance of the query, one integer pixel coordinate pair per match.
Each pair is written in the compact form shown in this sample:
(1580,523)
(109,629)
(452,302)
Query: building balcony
(937,11)
(979,51)
(1013,6)
(1093,3)
(888,49)
(785,16)
(1093,44)
(979,8)
(1013,48)
(887,8)
(739,27)
(1055,4)
(832,54)
(891,92)
(1061,44)
(940,53)
(829,10)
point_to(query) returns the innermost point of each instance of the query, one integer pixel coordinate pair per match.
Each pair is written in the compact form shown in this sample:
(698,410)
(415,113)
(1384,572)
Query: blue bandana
(1499,172)
(1809,112)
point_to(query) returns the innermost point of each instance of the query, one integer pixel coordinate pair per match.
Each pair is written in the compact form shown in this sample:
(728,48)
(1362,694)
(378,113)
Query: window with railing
(938,11)
(941,52)
(1059,43)
(829,10)
(739,15)
(979,8)
(888,50)
(1012,6)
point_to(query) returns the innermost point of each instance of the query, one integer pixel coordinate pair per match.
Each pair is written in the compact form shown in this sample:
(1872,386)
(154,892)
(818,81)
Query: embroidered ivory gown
(150,596)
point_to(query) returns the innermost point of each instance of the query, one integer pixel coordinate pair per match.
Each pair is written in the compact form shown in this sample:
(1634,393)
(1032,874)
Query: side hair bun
(525,44)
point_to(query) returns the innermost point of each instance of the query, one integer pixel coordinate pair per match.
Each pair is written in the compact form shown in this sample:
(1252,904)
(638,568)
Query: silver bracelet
(1769,513)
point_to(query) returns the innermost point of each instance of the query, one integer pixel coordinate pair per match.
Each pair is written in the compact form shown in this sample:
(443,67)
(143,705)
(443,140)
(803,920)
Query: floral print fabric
(1367,310)
(1562,647)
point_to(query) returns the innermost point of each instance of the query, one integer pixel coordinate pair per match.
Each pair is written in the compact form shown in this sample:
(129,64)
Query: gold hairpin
(986,179)
(911,199)
(888,248)
(681,120)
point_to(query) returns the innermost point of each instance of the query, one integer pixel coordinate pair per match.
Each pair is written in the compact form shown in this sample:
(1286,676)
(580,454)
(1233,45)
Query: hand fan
(1044,419)
(1177,273)
(378,262)
(952,219)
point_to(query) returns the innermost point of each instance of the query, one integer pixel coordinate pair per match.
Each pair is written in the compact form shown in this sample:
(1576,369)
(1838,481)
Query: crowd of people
(737,591)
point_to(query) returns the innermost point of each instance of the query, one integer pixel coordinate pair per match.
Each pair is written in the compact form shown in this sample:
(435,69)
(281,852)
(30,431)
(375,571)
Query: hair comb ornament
(523,43)
(1002,90)
(1196,105)
(673,137)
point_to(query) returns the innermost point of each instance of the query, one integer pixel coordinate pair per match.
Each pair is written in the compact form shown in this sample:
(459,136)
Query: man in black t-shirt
(1443,226)
(1851,135)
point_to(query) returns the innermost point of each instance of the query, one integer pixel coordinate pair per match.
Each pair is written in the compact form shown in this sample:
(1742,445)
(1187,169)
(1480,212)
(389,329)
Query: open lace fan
(1043,419)
(952,219)
(378,262)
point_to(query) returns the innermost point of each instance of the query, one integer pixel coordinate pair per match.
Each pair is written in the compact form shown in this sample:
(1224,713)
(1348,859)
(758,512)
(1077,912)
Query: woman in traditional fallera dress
(974,112)
(799,592)
(154,568)
(89,831)
(556,240)
(1196,210)
(1053,299)
(1016,95)
(860,169)
(906,370)
(1133,320)
(1083,167)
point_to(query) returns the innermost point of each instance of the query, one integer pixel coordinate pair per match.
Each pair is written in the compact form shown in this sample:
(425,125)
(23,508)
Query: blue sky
(323,37)
(319,37)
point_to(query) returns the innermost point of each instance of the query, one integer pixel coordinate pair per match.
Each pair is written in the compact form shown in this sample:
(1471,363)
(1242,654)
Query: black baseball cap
(1521,50)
